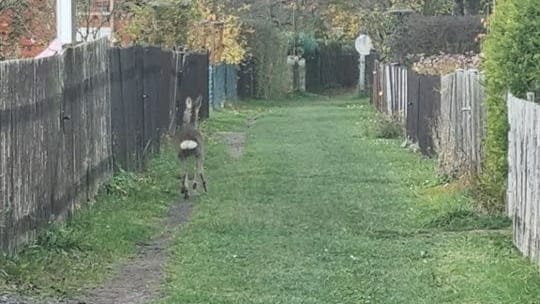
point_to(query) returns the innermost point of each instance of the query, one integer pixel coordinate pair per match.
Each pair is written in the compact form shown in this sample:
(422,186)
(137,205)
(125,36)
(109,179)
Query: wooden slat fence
(222,84)
(457,103)
(523,193)
(461,127)
(423,109)
(55,138)
(408,97)
(246,79)
(332,66)
(67,121)
(390,90)
(194,82)
(371,61)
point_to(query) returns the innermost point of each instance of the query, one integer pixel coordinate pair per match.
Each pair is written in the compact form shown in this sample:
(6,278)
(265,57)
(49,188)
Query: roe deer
(191,145)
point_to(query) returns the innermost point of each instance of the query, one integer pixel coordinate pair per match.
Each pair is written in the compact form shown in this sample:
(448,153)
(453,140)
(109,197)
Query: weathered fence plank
(5,153)
(22,132)
(174,101)
(390,90)
(460,130)
(429,101)
(524,175)
(194,82)
(412,120)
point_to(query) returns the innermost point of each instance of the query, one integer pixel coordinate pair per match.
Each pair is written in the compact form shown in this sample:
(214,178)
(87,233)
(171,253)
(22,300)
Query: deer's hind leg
(200,170)
(185,179)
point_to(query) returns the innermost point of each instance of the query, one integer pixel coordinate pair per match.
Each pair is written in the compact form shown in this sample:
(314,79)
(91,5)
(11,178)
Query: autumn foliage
(26,28)
(218,32)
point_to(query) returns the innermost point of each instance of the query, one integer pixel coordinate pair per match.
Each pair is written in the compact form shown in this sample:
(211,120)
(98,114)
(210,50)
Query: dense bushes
(432,35)
(269,50)
(304,45)
(512,51)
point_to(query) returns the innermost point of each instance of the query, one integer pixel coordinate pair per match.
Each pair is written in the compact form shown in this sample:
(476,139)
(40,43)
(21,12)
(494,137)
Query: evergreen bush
(512,63)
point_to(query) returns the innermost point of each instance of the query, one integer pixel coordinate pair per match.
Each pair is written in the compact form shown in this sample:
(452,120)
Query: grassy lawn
(321,211)
(318,210)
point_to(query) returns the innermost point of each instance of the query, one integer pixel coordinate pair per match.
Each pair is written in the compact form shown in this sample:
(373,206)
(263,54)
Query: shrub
(270,62)
(388,128)
(432,35)
(512,62)
(304,45)
(445,64)
(163,24)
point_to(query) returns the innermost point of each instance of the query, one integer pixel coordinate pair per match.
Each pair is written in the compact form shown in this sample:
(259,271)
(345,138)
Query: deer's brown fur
(191,145)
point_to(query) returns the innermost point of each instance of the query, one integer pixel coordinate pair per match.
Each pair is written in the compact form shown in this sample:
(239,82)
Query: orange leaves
(218,32)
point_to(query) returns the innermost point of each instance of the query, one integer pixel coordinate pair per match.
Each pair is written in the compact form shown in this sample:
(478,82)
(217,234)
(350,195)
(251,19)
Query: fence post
(362,78)
(65,18)
(211,81)
(531,96)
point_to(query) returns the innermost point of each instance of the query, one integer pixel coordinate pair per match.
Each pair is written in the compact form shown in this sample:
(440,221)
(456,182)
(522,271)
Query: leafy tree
(164,23)
(92,17)
(219,32)
(27,21)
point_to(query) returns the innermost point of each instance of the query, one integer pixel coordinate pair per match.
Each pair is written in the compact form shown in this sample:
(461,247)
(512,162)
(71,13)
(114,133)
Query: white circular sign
(363,44)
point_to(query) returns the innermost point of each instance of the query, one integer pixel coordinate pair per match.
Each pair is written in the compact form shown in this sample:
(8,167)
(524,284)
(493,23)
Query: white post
(363,46)
(362,78)
(111,20)
(302,74)
(64,21)
(531,96)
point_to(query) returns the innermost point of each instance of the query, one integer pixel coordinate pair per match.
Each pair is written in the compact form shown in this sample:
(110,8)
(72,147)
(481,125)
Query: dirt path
(140,279)
(235,142)
(136,281)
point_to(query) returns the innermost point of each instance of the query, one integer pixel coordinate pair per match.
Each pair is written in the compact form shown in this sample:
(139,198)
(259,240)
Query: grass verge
(79,253)
(320,211)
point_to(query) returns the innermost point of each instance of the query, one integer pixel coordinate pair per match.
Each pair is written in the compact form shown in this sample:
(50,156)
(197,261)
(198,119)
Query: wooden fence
(423,110)
(445,115)
(459,134)
(246,79)
(523,193)
(148,86)
(333,65)
(67,121)
(411,98)
(392,88)
(222,84)
(461,126)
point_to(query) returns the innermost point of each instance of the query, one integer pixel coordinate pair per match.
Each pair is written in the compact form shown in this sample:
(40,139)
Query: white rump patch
(188,145)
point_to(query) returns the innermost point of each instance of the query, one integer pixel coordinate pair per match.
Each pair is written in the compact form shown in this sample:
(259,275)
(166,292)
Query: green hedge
(268,45)
(512,51)
(432,35)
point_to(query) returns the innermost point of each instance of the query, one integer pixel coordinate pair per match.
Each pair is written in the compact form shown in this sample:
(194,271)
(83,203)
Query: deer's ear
(189,101)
